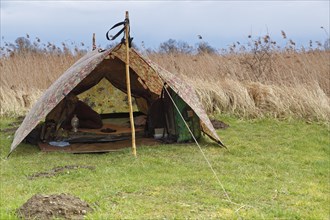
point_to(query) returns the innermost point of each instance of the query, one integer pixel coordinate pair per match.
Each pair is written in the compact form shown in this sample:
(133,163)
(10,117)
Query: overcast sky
(220,23)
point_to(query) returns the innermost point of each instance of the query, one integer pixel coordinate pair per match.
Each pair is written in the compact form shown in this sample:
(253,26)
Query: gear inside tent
(86,110)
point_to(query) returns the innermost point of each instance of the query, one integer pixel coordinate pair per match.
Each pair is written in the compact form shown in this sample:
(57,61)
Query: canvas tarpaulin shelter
(147,81)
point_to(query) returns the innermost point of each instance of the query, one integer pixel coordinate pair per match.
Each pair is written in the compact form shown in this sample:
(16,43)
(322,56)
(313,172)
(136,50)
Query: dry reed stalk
(295,85)
(225,96)
(23,76)
(17,102)
(286,68)
(258,100)
(305,101)
(34,70)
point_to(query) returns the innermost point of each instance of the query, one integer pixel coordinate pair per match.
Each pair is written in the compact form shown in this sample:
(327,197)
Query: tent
(147,84)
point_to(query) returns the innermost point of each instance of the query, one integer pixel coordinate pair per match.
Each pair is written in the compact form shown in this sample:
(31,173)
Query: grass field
(277,166)
(271,170)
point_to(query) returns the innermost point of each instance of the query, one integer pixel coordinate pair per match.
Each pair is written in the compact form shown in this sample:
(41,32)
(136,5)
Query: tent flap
(56,92)
(188,94)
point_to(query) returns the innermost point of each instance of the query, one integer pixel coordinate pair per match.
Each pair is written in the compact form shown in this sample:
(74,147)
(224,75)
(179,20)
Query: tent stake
(128,83)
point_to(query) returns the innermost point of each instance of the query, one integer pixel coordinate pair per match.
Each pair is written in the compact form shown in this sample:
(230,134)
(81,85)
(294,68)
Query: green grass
(273,169)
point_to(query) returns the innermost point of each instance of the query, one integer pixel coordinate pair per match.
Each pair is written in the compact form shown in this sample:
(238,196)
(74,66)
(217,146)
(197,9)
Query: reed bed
(280,84)
(26,74)
(289,84)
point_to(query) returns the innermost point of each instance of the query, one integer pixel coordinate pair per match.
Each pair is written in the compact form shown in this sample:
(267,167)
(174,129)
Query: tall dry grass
(25,75)
(272,83)
(289,84)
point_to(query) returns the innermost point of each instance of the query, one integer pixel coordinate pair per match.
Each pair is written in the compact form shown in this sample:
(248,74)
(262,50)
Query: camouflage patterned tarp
(148,73)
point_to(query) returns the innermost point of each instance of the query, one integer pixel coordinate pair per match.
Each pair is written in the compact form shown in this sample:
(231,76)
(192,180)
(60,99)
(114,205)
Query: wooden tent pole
(128,84)
(94,42)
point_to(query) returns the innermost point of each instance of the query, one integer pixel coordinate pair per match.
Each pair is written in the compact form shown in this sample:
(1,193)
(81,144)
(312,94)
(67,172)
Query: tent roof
(149,73)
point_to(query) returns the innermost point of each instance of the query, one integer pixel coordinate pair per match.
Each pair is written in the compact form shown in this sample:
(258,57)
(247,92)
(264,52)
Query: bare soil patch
(62,206)
(58,170)
(12,127)
(219,124)
(8,130)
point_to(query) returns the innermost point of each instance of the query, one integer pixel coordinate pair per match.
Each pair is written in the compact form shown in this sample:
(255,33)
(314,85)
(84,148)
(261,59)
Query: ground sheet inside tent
(114,135)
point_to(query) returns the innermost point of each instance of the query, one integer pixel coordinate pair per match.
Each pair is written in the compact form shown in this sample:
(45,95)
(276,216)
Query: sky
(220,23)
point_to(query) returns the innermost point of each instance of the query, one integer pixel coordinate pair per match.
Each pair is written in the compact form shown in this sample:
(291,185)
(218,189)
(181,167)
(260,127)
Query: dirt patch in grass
(8,130)
(58,170)
(219,124)
(12,127)
(46,207)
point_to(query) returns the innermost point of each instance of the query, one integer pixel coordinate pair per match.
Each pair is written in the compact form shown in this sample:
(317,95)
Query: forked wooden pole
(128,84)
(94,42)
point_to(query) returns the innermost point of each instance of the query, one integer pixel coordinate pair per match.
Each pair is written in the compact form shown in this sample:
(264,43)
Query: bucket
(159,133)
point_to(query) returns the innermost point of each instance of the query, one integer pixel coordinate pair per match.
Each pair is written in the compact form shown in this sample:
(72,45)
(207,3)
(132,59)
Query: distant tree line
(173,46)
(253,45)
(260,45)
(26,45)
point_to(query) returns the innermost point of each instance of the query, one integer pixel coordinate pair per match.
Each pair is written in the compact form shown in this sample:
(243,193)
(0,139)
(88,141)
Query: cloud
(219,22)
